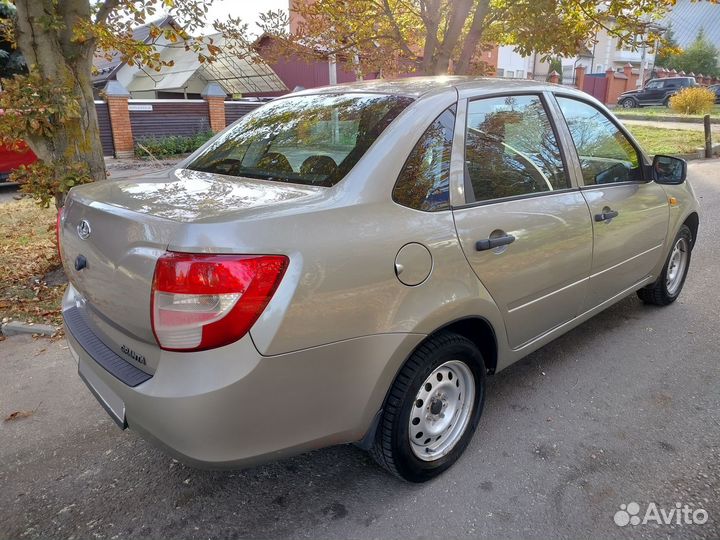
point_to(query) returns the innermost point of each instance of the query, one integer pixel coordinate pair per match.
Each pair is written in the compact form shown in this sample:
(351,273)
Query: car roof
(417,87)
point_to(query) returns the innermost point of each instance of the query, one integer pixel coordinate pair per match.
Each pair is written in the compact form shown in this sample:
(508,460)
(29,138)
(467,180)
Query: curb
(14,328)
(700,153)
(682,119)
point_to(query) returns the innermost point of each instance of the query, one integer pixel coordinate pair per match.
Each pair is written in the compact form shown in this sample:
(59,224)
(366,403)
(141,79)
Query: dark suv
(655,92)
(715,88)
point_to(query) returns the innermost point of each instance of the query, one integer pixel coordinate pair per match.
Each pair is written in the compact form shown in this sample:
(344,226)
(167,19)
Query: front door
(630,215)
(524,229)
(654,93)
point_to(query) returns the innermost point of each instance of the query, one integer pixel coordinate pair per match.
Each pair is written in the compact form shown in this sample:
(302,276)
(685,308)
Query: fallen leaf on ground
(17,415)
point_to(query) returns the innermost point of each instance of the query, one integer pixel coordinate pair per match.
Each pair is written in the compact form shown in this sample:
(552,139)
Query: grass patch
(667,141)
(27,253)
(660,112)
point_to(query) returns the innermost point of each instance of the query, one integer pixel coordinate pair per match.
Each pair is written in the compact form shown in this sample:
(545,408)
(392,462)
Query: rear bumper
(231,407)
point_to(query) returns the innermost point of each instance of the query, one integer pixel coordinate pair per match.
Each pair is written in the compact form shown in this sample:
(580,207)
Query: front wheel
(627,103)
(668,286)
(432,409)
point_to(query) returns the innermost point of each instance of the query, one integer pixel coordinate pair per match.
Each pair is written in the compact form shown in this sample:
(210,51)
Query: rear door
(630,215)
(524,228)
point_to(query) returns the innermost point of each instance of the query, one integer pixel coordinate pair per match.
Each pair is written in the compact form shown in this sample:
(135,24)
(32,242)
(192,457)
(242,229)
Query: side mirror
(669,170)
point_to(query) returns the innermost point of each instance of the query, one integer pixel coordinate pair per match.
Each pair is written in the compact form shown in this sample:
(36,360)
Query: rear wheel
(432,410)
(628,103)
(668,286)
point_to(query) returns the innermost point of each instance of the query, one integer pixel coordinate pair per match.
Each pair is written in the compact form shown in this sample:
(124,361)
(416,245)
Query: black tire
(628,103)
(657,293)
(391,448)
(666,101)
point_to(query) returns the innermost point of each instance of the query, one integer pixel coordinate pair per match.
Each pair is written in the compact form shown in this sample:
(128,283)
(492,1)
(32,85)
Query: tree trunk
(473,37)
(457,16)
(65,61)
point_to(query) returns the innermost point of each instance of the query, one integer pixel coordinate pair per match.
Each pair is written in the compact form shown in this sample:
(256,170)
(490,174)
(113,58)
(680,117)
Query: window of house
(423,183)
(606,155)
(519,74)
(499,72)
(511,149)
(509,74)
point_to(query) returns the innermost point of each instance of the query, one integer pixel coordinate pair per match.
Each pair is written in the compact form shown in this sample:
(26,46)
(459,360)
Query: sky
(247,10)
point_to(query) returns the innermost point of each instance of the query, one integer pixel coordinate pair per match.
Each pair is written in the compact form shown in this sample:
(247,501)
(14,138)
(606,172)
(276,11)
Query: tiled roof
(105,68)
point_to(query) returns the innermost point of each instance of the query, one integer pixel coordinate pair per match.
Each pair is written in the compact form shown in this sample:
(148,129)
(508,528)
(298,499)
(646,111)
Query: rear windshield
(311,140)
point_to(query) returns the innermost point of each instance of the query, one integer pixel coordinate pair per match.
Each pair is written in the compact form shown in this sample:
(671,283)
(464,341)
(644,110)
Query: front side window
(654,85)
(511,149)
(311,140)
(606,155)
(423,181)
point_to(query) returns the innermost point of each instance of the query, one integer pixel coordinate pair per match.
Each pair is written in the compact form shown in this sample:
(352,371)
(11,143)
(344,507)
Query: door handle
(491,243)
(606,216)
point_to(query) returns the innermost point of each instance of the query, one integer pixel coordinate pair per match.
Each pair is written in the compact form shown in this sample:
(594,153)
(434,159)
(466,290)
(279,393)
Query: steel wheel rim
(627,104)
(441,411)
(676,266)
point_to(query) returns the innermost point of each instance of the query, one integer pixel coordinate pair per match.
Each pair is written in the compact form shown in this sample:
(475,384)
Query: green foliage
(173,145)
(700,57)
(35,107)
(11,61)
(668,50)
(693,100)
(48,182)
(556,66)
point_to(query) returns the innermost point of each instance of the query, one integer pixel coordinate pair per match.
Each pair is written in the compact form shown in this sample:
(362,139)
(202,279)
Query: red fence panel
(596,85)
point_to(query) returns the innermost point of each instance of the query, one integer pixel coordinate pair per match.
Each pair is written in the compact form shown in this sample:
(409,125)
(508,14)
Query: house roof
(687,18)
(105,68)
(236,74)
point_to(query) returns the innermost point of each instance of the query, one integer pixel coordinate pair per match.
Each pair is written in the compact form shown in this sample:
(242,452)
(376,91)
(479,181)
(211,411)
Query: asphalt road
(626,408)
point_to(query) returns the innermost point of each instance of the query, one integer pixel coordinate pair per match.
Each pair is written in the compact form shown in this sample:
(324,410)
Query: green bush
(693,100)
(171,145)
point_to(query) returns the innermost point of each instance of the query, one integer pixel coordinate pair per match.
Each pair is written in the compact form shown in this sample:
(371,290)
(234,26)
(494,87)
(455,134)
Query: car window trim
(643,163)
(547,107)
(454,109)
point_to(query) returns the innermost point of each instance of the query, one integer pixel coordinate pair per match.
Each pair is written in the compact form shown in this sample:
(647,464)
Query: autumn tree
(52,107)
(701,56)
(11,61)
(447,36)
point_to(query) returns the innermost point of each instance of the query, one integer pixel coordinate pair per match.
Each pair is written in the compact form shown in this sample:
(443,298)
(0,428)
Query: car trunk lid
(113,232)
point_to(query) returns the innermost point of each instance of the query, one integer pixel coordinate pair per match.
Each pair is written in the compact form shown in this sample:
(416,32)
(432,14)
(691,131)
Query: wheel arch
(475,328)
(693,223)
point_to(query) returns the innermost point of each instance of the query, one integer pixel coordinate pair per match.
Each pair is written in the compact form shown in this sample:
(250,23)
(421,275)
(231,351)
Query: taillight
(58,229)
(204,301)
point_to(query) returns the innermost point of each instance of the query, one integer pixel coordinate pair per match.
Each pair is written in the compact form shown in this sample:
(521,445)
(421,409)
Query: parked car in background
(11,159)
(715,88)
(655,92)
(349,264)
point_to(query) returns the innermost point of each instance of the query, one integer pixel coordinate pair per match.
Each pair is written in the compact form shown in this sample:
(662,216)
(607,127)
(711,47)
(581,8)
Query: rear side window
(423,181)
(606,155)
(311,140)
(511,149)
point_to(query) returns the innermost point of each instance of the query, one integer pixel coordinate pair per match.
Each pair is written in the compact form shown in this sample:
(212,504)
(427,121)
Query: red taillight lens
(205,301)
(58,229)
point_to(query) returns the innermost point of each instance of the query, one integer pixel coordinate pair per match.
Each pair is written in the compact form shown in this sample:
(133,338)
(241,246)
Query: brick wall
(122,121)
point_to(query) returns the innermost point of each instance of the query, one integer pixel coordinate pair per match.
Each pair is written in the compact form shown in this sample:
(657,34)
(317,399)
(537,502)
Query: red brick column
(554,77)
(580,77)
(117,99)
(631,82)
(215,97)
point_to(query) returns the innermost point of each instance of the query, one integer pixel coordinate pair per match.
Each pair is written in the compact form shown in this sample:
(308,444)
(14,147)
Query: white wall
(511,63)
